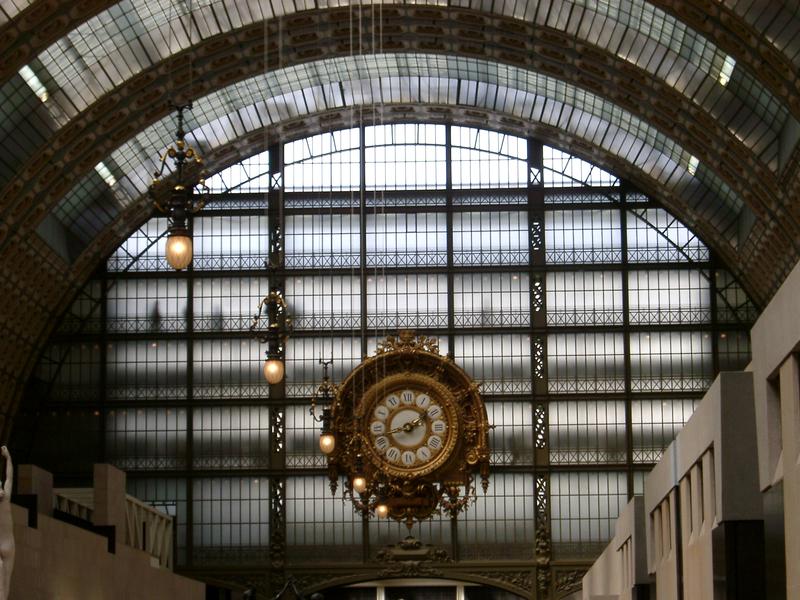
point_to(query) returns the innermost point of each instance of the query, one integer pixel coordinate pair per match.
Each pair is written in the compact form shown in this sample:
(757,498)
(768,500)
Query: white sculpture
(6,528)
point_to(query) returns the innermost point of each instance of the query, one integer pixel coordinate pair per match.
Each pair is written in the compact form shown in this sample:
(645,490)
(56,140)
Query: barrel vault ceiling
(696,102)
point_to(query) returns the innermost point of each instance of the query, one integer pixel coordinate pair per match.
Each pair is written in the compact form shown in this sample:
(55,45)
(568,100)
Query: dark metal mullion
(189,480)
(626,338)
(451,319)
(362,249)
(362,221)
(715,326)
(277,391)
(103,375)
(538,319)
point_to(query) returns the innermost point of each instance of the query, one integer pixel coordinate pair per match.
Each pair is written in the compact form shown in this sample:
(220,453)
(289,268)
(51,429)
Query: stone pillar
(35,480)
(109,498)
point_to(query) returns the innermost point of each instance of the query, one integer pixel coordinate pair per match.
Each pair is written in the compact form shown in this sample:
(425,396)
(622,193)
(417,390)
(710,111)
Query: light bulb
(360,484)
(179,251)
(273,370)
(327,443)
(382,510)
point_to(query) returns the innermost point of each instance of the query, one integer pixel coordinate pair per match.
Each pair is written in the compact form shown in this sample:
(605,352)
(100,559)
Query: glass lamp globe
(273,370)
(327,443)
(179,251)
(359,484)
(382,510)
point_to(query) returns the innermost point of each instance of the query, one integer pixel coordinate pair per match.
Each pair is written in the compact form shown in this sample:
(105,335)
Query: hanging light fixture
(273,309)
(181,200)
(325,394)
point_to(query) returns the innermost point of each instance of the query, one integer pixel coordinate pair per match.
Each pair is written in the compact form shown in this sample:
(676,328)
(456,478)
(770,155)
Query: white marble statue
(6,528)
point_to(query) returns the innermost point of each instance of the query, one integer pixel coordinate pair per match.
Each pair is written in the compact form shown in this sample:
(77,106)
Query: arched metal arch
(408,78)
(127,110)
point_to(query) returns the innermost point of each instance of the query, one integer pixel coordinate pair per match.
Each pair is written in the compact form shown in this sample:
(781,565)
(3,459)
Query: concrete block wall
(775,342)
(57,560)
(621,570)
(698,532)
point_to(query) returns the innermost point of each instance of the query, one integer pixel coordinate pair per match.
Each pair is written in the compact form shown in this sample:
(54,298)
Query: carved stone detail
(568,581)
(411,558)
(521,580)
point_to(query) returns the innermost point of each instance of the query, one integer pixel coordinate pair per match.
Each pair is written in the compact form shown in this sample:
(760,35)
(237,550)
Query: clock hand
(407,427)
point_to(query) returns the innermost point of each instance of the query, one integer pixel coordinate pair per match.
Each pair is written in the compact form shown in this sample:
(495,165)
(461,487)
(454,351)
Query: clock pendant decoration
(410,432)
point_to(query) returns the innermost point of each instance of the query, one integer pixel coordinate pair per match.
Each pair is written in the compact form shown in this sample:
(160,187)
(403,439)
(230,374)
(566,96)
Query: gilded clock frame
(448,482)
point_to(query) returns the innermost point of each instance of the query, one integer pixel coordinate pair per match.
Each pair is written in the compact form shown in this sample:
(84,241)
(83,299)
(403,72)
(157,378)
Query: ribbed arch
(134,35)
(376,80)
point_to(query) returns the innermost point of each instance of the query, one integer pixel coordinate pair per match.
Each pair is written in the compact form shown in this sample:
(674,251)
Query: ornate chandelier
(408,431)
(181,200)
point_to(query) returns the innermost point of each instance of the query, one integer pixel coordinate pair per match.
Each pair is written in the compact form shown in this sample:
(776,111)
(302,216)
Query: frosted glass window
(250,175)
(564,170)
(324,302)
(582,236)
(146,369)
(511,440)
(670,360)
(587,432)
(655,423)
(302,438)
(229,368)
(501,362)
(585,362)
(230,242)
(490,238)
(146,305)
(231,519)
(146,438)
(230,437)
(488,159)
(415,239)
(303,356)
(584,298)
(227,303)
(583,509)
(734,350)
(328,161)
(321,241)
(74,369)
(733,305)
(669,296)
(405,156)
(143,251)
(491,299)
(409,301)
(317,522)
(654,235)
(501,522)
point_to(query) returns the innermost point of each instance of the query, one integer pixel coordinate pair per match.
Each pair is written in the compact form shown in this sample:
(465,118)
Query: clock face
(412,428)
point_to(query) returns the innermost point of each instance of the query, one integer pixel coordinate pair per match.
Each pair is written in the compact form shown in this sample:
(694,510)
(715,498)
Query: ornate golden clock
(410,432)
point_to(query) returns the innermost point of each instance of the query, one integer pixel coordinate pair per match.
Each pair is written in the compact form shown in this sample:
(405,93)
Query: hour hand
(407,427)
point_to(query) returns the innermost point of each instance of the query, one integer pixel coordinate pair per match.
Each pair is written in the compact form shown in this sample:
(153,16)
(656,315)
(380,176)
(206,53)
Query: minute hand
(408,426)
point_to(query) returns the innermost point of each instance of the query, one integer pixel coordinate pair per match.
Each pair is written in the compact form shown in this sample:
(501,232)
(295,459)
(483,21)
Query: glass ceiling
(133,35)
(228,114)
(775,20)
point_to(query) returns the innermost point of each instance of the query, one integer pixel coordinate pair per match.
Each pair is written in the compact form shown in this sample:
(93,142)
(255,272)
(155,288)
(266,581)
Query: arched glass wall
(593,319)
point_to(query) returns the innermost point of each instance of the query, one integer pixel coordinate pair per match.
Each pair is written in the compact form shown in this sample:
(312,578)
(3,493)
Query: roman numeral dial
(410,427)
